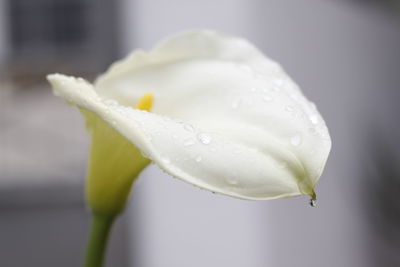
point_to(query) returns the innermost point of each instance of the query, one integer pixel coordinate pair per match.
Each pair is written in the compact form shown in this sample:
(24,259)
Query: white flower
(224,118)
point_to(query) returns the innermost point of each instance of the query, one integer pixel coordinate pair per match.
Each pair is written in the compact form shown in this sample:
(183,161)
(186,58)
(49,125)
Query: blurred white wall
(145,22)
(338,52)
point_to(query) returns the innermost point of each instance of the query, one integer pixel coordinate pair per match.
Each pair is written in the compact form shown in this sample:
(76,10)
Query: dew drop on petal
(314,119)
(289,109)
(279,82)
(204,138)
(144,154)
(232,181)
(110,102)
(188,142)
(296,140)
(236,103)
(166,160)
(188,127)
(246,68)
(282,164)
(198,158)
(267,98)
(312,131)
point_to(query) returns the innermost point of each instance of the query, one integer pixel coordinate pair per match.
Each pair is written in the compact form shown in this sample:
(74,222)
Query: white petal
(261,138)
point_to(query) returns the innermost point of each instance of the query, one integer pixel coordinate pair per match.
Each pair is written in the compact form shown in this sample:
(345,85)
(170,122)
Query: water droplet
(314,119)
(294,96)
(188,142)
(198,158)
(282,164)
(295,140)
(267,98)
(144,154)
(313,131)
(188,127)
(110,102)
(246,68)
(259,75)
(313,202)
(204,138)
(232,181)
(289,109)
(276,88)
(236,103)
(166,160)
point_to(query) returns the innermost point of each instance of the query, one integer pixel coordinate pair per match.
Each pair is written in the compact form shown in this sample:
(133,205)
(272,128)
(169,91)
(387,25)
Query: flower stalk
(98,238)
(107,197)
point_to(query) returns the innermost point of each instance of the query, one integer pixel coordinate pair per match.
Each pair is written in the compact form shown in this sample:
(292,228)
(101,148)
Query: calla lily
(224,118)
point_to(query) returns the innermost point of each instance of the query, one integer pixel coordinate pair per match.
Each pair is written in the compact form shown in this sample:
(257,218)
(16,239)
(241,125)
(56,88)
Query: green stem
(96,246)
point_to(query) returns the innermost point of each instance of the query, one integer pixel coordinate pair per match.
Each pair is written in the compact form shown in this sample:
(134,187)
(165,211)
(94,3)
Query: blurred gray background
(345,55)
